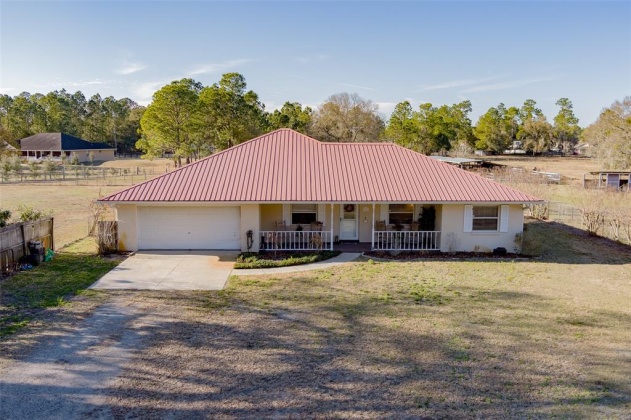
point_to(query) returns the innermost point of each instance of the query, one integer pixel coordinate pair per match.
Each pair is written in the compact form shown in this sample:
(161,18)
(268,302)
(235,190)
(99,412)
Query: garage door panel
(189,227)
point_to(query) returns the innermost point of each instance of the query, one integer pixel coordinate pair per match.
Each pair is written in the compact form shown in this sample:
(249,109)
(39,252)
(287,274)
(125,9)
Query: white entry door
(348,222)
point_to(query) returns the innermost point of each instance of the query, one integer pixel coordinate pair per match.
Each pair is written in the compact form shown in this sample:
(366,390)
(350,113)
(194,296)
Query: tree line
(189,121)
(108,120)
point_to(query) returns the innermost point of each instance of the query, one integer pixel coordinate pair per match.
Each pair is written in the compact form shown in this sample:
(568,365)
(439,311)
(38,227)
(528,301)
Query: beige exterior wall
(126,215)
(452,222)
(255,217)
(99,155)
(250,220)
(270,214)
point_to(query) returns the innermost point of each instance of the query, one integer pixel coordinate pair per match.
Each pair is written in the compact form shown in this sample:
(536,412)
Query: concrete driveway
(171,270)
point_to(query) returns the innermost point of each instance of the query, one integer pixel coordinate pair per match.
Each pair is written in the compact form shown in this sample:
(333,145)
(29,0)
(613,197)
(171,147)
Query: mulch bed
(415,255)
(283,255)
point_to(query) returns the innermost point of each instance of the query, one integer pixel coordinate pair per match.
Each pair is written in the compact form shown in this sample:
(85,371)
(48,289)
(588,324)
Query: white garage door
(189,227)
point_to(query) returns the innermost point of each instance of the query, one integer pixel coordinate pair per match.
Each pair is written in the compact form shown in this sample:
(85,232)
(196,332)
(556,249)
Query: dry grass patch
(571,167)
(398,339)
(70,205)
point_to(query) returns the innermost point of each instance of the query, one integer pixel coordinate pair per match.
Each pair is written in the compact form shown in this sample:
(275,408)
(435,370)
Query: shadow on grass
(558,243)
(230,354)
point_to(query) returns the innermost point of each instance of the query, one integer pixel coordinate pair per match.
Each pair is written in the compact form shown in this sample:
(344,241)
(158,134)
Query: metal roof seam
(286,165)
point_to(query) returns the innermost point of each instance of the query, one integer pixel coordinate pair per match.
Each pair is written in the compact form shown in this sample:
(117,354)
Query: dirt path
(67,376)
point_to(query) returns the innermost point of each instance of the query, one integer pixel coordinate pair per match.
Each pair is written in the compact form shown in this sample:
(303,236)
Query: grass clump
(270,260)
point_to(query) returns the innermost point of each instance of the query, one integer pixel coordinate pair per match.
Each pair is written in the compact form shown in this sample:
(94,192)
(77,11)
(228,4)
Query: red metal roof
(286,166)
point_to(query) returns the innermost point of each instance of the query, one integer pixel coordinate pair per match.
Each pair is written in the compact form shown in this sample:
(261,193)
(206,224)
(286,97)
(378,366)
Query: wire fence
(609,227)
(79,174)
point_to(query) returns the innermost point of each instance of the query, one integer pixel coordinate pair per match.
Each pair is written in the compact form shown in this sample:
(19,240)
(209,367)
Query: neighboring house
(56,146)
(583,149)
(280,185)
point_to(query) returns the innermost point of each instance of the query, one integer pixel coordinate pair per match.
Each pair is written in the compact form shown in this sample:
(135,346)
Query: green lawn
(51,284)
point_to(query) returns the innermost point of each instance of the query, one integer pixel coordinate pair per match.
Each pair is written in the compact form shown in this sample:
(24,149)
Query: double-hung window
(400,214)
(485,218)
(303,214)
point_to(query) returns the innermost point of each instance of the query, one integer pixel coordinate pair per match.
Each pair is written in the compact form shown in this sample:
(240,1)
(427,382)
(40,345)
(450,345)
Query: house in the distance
(616,180)
(284,190)
(56,146)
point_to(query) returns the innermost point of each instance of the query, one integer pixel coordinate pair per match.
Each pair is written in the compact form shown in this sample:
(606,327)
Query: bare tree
(347,117)
(611,135)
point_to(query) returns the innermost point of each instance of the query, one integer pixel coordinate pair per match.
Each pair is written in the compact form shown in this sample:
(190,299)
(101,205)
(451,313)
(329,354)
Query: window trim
(503,219)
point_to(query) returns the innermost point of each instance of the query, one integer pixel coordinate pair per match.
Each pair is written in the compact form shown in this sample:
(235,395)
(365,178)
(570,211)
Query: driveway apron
(171,270)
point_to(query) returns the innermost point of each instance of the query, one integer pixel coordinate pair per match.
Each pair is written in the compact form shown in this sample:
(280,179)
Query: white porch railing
(291,240)
(407,240)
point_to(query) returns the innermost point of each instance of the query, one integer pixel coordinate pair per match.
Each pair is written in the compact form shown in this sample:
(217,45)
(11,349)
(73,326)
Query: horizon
(307,51)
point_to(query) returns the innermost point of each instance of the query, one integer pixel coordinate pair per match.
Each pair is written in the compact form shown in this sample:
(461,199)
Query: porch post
(372,237)
(331,245)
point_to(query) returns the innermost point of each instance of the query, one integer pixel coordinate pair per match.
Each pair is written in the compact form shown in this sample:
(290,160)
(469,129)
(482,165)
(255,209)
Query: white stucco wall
(250,220)
(126,215)
(452,221)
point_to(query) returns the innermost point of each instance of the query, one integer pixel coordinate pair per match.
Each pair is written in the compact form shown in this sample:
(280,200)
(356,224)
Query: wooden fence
(14,240)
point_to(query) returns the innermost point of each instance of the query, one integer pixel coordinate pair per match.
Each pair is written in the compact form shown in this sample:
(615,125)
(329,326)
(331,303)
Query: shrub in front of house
(272,259)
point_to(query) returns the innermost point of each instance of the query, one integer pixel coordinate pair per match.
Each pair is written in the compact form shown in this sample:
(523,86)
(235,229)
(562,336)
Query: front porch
(349,226)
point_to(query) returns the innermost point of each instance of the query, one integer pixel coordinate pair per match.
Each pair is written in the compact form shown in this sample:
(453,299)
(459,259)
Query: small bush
(29,214)
(5,215)
(269,260)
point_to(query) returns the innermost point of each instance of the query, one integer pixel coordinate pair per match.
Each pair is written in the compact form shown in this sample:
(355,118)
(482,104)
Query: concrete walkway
(171,270)
(340,259)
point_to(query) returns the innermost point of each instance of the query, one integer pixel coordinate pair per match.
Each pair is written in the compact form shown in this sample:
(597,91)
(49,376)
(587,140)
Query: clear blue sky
(438,52)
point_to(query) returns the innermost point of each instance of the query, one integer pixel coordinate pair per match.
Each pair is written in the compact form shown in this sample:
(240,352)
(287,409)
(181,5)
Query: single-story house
(56,146)
(583,149)
(284,190)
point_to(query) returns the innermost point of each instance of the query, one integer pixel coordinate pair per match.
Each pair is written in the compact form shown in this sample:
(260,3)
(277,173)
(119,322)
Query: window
(485,218)
(303,214)
(401,214)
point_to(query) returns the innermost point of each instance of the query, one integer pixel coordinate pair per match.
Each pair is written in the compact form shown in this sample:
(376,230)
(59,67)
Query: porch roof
(286,166)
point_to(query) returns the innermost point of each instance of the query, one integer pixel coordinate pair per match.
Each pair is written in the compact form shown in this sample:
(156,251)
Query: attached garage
(199,227)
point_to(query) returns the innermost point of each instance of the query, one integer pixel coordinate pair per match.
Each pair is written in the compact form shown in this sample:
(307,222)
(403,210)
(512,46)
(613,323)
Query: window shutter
(321,216)
(504,219)
(385,208)
(468,218)
(287,214)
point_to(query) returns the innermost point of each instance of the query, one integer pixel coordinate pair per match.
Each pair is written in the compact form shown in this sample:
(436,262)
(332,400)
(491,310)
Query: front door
(348,222)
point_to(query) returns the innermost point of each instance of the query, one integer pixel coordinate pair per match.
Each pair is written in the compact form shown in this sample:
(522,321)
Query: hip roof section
(287,166)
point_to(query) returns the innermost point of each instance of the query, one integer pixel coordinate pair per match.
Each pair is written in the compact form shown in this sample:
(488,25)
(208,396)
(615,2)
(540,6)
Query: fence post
(52,233)
(24,247)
